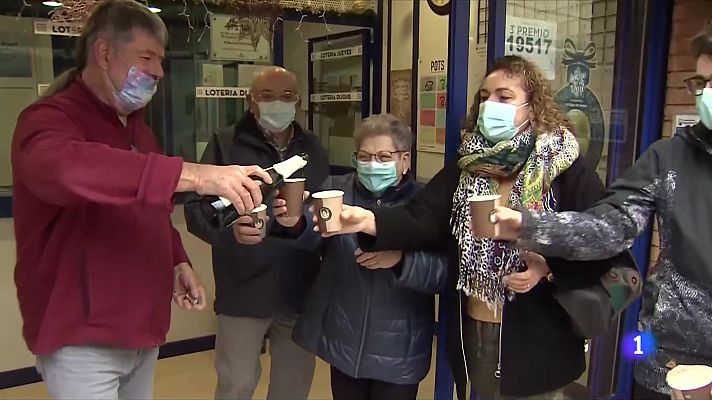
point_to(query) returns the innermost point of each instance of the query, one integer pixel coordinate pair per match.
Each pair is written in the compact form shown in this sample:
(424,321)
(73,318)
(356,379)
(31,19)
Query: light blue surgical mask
(704,107)
(376,176)
(496,120)
(276,116)
(137,91)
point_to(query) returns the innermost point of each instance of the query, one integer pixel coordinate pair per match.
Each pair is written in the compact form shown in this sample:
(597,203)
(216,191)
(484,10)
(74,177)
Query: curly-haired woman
(508,336)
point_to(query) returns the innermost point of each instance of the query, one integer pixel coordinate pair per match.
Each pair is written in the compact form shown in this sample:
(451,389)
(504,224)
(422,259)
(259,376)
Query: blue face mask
(496,121)
(376,176)
(704,107)
(137,91)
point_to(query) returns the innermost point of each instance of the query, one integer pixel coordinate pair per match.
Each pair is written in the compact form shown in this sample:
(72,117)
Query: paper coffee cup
(690,382)
(482,213)
(259,219)
(293,193)
(327,207)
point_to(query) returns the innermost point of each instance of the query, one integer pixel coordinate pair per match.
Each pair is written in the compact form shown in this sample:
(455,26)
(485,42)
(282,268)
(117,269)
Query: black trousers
(640,392)
(344,387)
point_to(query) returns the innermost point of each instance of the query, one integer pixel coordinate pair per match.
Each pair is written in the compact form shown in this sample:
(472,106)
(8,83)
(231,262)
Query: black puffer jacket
(375,324)
(271,278)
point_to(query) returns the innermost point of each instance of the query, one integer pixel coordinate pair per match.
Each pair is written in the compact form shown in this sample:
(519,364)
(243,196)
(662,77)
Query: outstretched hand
(354,219)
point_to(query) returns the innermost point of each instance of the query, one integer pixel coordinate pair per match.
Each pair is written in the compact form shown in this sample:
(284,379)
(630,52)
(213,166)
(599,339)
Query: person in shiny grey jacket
(371,315)
(671,181)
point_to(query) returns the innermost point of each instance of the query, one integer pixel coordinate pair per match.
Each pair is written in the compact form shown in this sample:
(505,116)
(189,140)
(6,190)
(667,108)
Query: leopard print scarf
(538,160)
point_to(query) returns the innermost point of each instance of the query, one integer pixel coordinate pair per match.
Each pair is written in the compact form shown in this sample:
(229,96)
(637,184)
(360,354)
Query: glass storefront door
(339,91)
(580,46)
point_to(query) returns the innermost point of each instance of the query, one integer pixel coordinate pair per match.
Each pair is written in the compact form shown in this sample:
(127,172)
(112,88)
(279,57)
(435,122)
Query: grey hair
(116,19)
(385,125)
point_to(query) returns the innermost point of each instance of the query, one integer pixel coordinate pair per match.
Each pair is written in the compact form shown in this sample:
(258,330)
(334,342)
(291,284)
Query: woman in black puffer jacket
(371,315)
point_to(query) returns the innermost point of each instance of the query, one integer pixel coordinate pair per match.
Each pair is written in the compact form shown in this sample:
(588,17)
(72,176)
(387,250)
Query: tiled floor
(193,377)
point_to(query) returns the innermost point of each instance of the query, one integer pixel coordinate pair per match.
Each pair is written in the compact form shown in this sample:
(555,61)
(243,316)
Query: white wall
(184,325)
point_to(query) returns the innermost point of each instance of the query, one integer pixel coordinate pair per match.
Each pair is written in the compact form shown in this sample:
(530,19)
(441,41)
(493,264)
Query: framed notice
(534,40)
(682,121)
(230,42)
(401,93)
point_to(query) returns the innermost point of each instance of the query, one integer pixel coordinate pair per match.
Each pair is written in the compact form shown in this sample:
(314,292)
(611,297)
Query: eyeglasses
(287,97)
(696,84)
(381,156)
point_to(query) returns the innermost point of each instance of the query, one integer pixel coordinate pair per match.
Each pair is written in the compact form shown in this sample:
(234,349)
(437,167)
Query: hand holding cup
(690,382)
(508,223)
(283,216)
(251,229)
(353,219)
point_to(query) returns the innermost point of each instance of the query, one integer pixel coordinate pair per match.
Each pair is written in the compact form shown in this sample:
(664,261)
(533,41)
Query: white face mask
(276,116)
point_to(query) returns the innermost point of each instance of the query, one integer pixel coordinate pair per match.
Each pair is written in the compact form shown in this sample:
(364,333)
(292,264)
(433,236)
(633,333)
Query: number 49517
(528,45)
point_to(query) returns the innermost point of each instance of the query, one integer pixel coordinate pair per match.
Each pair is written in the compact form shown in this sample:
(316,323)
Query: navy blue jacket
(374,324)
(272,278)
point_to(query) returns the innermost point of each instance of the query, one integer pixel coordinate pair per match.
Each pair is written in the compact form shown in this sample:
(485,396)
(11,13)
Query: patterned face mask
(138,90)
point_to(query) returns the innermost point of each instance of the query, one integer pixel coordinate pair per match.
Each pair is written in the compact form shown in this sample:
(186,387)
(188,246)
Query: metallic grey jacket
(672,180)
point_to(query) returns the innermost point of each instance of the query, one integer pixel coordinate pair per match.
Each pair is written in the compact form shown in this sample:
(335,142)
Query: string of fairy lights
(255,19)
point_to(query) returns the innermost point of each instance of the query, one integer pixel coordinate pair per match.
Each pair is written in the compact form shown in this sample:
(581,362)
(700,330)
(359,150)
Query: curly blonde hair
(545,113)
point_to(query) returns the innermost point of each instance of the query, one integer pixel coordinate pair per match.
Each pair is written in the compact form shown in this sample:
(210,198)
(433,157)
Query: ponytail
(61,82)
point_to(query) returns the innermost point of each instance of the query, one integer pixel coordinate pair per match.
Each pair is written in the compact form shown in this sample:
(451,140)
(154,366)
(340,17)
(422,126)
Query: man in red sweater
(97,257)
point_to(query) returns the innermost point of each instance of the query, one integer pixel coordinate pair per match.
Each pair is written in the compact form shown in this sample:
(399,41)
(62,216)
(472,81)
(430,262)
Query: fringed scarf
(537,160)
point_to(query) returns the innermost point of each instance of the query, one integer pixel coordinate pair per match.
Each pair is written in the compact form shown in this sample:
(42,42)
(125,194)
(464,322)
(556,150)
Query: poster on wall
(213,75)
(477,68)
(432,106)
(401,94)
(229,42)
(534,40)
(579,102)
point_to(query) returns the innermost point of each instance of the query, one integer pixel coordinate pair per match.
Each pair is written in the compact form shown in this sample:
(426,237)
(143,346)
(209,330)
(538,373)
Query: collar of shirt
(81,91)
(274,143)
